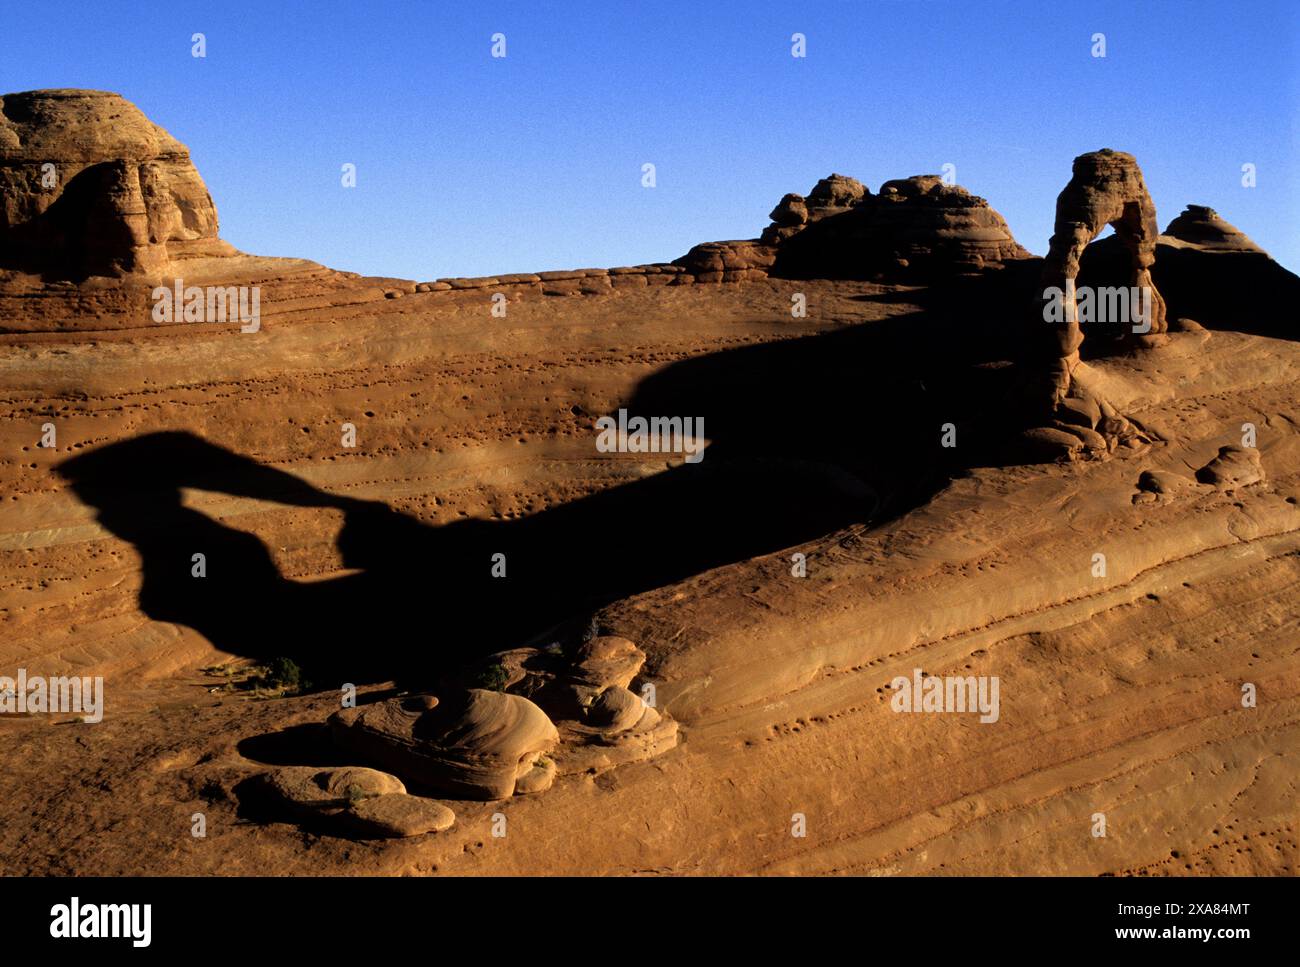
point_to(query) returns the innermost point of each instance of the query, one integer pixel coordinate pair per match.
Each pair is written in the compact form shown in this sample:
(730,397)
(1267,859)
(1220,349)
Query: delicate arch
(1106,189)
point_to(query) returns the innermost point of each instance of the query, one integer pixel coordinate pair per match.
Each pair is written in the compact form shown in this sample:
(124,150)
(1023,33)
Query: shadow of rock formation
(808,436)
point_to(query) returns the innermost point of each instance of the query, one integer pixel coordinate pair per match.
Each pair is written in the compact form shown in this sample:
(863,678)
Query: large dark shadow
(1239,291)
(809,435)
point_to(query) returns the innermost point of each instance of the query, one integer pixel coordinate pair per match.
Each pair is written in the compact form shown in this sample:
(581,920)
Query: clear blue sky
(469,165)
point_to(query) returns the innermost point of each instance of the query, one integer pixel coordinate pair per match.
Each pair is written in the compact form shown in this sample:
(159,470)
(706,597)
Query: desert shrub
(282,673)
(355,794)
(494,678)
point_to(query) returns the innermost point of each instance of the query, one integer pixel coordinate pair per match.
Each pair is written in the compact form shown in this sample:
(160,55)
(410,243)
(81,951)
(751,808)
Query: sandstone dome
(89,186)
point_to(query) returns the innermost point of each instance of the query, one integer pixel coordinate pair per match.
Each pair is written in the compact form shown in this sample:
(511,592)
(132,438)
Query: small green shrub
(494,678)
(355,794)
(282,673)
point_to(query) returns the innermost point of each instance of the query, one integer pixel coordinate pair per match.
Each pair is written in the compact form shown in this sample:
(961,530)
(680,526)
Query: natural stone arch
(1106,189)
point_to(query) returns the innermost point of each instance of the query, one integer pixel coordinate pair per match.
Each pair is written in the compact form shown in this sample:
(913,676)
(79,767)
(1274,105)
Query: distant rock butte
(89,186)
(916,228)
(1201,227)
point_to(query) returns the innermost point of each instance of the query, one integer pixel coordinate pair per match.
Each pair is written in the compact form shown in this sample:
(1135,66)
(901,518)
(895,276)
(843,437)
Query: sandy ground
(1120,695)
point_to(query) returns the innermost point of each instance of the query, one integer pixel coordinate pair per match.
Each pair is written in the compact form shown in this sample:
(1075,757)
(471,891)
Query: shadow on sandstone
(808,436)
(1244,292)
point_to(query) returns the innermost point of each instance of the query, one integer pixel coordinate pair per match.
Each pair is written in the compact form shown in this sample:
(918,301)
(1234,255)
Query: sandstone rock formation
(602,663)
(737,261)
(1155,486)
(89,186)
(1202,228)
(602,722)
(351,801)
(1106,189)
(1233,467)
(1209,271)
(830,196)
(471,746)
(916,228)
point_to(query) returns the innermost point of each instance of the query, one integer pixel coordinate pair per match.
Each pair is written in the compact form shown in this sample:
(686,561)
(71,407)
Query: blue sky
(470,165)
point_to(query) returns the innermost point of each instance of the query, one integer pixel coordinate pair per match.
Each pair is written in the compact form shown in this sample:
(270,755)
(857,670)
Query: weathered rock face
(1208,271)
(791,211)
(922,220)
(836,191)
(832,195)
(736,261)
(1202,228)
(471,746)
(916,228)
(351,801)
(1233,467)
(602,722)
(1106,189)
(90,186)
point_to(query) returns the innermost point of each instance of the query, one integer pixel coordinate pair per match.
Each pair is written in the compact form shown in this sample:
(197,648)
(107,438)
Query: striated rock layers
(89,186)
(1106,189)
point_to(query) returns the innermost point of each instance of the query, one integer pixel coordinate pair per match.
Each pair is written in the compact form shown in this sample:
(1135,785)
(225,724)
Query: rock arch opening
(1106,189)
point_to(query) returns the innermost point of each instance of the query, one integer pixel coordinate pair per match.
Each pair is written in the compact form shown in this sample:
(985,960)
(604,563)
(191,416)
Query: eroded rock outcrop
(1208,271)
(1106,189)
(475,745)
(603,723)
(351,801)
(1211,271)
(1233,467)
(830,196)
(90,186)
(924,222)
(737,261)
(1202,228)
(916,229)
